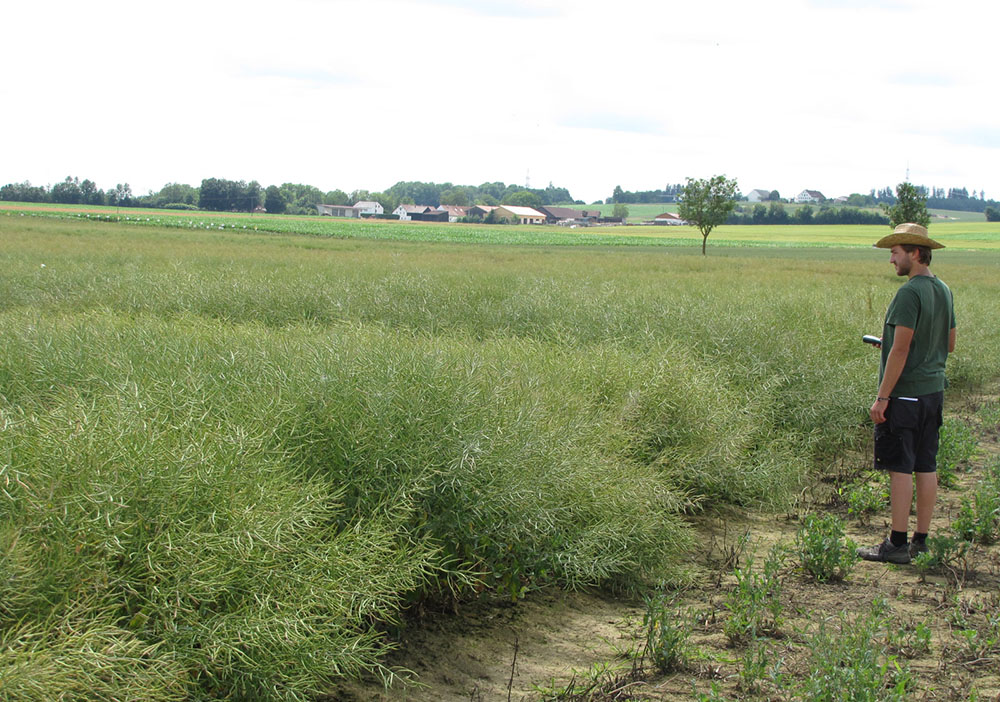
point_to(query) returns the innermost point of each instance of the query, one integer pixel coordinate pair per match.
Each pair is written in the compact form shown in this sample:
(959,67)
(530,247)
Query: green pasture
(231,460)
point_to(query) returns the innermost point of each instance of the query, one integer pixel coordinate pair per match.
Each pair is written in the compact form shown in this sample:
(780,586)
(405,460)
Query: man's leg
(895,549)
(900,499)
(926,499)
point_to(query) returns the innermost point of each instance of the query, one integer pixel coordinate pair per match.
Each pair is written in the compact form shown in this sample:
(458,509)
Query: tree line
(222,195)
(937,198)
(640,197)
(775,213)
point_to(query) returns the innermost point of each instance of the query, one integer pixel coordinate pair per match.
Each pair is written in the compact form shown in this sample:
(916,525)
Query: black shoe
(885,552)
(917,547)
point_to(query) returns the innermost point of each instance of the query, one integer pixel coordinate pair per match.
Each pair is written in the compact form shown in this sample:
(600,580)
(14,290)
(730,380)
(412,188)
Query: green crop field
(957,234)
(229,458)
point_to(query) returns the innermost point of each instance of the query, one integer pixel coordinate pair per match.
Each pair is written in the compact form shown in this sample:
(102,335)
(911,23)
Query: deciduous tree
(274,201)
(911,206)
(707,203)
(523,198)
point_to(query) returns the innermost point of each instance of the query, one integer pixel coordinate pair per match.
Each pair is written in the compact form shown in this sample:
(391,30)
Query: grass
(229,459)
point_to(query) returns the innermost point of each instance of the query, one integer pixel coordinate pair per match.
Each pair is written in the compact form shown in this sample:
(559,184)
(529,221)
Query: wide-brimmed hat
(909,233)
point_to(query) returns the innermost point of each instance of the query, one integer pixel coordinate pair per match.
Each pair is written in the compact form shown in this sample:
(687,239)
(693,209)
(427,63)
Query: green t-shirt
(925,305)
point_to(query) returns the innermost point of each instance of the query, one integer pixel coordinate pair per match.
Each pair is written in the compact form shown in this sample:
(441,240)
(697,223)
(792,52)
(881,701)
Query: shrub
(824,552)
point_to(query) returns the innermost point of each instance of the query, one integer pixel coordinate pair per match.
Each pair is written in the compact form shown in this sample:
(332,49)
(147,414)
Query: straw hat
(908,234)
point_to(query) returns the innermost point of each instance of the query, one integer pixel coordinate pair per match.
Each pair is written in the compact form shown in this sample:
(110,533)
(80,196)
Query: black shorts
(907,441)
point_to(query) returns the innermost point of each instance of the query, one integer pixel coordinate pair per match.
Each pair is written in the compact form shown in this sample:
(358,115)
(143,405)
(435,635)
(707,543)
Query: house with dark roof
(431,215)
(554,215)
(406,212)
(480,211)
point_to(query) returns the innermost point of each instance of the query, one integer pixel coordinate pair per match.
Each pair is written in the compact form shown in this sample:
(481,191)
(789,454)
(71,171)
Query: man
(918,335)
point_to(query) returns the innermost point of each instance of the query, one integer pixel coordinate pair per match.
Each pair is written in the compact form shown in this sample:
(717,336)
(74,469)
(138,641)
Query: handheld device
(873,340)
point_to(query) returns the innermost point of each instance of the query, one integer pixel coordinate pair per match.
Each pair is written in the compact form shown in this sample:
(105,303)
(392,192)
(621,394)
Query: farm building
(431,215)
(758,196)
(455,212)
(520,215)
(480,210)
(809,196)
(406,212)
(554,215)
(668,218)
(369,207)
(338,211)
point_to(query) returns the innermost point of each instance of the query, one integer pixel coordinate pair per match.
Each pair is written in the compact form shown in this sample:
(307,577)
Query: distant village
(500,214)
(516,214)
(510,214)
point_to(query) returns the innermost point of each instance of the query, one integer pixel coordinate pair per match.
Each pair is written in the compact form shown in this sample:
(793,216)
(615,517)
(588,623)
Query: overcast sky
(839,96)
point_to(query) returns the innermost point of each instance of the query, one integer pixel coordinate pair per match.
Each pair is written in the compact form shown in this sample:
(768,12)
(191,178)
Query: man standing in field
(918,335)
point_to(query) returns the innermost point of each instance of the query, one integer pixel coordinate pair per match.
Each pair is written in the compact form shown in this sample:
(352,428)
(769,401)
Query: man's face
(902,260)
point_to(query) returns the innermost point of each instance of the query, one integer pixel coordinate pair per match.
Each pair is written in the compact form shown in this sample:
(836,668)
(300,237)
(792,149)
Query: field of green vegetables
(960,233)
(230,459)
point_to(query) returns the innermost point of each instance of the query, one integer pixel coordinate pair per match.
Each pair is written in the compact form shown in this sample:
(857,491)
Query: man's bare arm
(894,365)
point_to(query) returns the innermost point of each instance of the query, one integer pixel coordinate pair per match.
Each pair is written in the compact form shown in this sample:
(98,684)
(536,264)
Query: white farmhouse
(668,218)
(759,196)
(368,207)
(814,196)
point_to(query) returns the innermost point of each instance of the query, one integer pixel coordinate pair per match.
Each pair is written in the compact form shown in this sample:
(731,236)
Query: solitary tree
(620,211)
(911,206)
(707,203)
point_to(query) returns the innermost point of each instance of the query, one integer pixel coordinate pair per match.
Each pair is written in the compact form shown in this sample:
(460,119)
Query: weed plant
(978,518)
(910,639)
(668,632)
(757,665)
(823,550)
(976,629)
(864,498)
(988,415)
(944,552)
(956,448)
(849,662)
(754,603)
